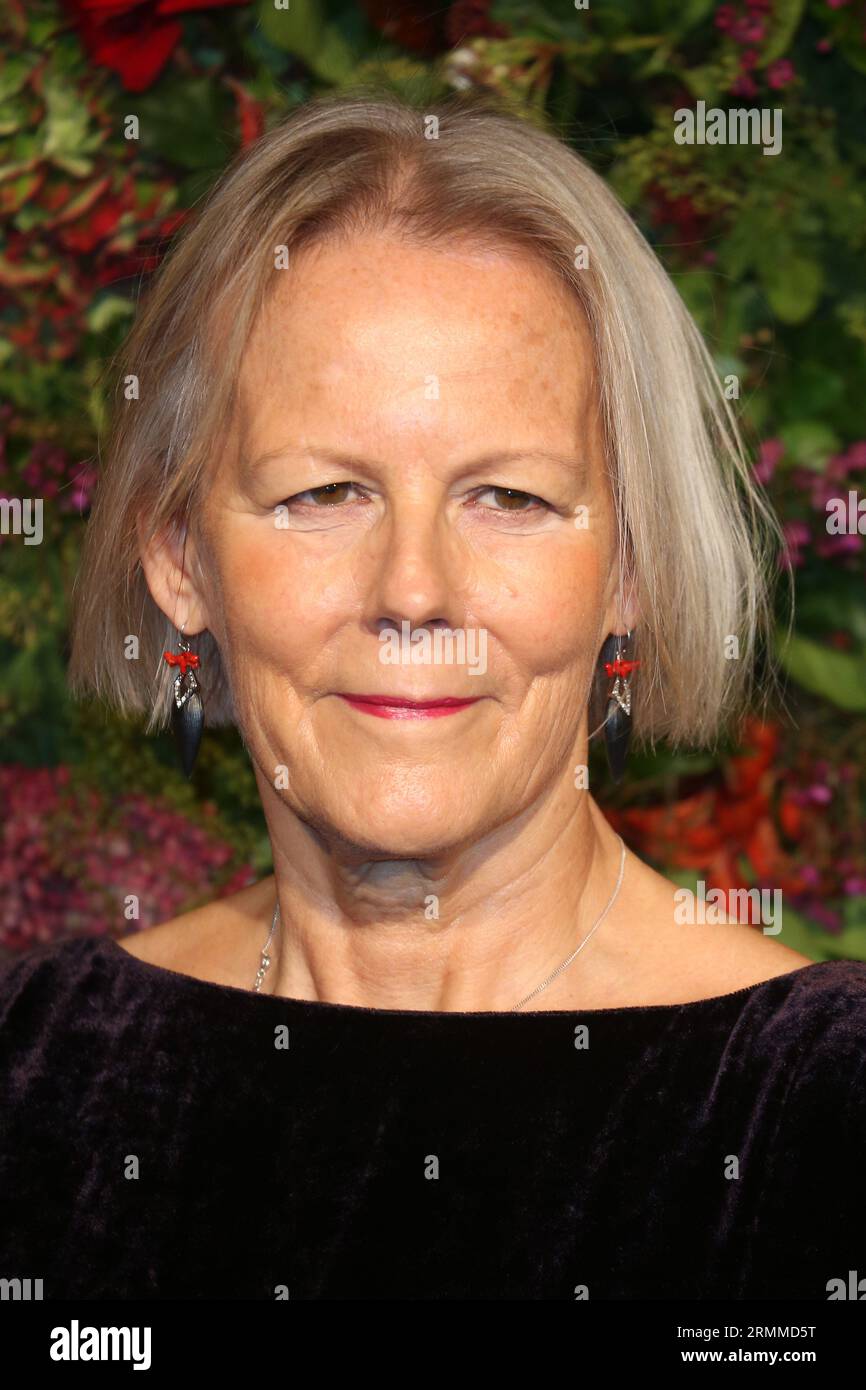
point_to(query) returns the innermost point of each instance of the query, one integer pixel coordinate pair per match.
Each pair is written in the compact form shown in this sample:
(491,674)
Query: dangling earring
(617,725)
(187,710)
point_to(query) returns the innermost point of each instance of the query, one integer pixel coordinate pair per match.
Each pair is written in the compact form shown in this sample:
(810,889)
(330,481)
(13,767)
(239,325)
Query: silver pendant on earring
(617,724)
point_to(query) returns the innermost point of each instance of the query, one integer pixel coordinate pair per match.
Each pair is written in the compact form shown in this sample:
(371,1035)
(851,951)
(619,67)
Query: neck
(471,928)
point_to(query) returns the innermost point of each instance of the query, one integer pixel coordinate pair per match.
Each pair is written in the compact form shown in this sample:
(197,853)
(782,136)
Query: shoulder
(219,942)
(685,956)
(43,975)
(810,1028)
(51,1005)
(825,1005)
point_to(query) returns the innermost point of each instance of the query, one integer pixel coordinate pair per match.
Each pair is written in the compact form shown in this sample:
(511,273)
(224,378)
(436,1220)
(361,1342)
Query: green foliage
(836,676)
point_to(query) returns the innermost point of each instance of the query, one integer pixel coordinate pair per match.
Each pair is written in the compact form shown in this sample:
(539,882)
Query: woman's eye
(328,495)
(513,499)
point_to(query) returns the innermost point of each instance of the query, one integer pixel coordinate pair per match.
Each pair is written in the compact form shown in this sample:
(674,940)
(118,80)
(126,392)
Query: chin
(375,834)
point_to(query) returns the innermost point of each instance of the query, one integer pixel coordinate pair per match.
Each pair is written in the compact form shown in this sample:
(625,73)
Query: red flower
(467,19)
(250,113)
(412,24)
(135,38)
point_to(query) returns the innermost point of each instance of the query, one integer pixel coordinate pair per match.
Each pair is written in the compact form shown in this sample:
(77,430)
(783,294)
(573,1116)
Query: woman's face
(416,438)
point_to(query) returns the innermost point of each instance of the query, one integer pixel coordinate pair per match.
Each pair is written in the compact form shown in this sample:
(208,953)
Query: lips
(398,707)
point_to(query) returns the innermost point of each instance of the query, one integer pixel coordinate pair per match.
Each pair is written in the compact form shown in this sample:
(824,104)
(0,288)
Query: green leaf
(839,677)
(797,934)
(104,312)
(704,82)
(815,941)
(687,14)
(301,29)
(184,122)
(851,49)
(813,388)
(334,60)
(14,73)
(298,29)
(850,942)
(784,22)
(809,443)
(66,129)
(793,286)
(839,604)
(696,288)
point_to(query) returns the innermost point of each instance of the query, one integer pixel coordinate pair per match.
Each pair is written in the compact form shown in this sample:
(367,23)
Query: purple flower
(827,916)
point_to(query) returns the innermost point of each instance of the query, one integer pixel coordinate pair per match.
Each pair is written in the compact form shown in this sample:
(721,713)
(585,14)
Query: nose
(417,571)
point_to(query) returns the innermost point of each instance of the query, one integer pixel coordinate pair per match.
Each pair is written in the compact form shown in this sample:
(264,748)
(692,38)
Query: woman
(419,453)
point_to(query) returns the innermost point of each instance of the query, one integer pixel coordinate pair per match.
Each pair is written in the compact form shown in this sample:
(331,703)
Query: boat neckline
(327,1006)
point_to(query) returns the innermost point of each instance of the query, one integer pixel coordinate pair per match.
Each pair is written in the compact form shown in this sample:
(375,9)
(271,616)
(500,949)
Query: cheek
(546,613)
(278,601)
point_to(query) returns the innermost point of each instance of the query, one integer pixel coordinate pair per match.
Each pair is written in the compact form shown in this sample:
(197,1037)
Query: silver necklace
(266,959)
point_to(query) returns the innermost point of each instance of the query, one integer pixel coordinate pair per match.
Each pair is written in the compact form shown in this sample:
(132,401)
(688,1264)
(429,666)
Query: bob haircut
(696,535)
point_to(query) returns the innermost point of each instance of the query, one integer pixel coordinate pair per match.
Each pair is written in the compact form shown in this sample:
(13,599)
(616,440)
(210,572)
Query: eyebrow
(334,456)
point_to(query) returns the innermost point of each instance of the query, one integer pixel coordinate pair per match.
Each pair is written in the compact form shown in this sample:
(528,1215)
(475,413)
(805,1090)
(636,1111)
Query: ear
(622,617)
(171,567)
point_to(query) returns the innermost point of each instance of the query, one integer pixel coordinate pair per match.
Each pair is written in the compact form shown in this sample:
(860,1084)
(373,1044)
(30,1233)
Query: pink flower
(747,31)
(797,534)
(744,87)
(780,73)
(833,546)
(770,455)
(725,17)
(856,455)
(69,859)
(80,497)
(820,795)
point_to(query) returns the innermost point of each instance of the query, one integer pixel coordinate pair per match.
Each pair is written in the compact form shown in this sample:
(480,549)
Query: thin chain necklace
(266,959)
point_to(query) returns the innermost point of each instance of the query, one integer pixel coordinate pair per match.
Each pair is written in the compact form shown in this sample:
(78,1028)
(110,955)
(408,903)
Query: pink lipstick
(396,707)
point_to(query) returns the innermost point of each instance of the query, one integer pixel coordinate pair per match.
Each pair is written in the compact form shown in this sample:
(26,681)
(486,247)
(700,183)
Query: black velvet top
(165,1137)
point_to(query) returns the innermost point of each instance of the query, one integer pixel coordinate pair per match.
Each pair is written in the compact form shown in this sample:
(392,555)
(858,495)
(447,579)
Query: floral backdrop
(766,251)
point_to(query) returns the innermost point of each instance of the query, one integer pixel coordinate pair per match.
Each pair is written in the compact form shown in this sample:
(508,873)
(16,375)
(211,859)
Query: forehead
(403,334)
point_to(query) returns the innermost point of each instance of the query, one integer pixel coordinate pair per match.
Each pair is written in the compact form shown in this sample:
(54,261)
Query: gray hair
(695,531)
